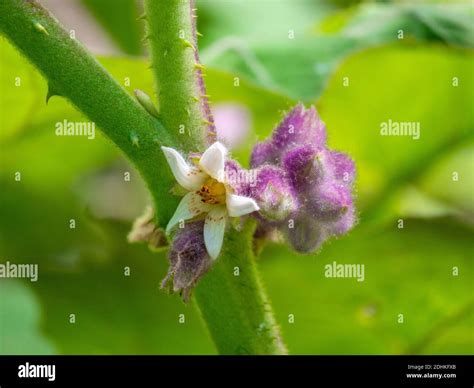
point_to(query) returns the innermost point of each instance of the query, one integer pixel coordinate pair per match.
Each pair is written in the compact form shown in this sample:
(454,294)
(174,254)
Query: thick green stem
(234,306)
(233,303)
(181,93)
(230,297)
(73,73)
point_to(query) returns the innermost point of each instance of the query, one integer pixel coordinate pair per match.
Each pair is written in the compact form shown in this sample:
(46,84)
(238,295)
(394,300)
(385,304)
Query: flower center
(212,192)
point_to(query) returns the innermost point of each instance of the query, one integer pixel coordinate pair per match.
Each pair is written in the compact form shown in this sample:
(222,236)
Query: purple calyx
(305,188)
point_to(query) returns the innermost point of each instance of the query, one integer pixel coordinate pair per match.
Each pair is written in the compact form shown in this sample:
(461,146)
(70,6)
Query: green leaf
(120,20)
(264,21)
(119,314)
(373,24)
(450,179)
(20,321)
(408,271)
(300,64)
(129,314)
(275,52)
(391,83)
(19,94)
(298,68)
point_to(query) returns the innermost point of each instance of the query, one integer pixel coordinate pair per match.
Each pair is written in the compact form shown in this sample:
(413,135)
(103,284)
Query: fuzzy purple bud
(273,193)
(319,180)
(299,127)
(189,259)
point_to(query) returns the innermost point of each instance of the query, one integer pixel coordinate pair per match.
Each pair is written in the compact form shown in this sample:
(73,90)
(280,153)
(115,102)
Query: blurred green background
(424,74)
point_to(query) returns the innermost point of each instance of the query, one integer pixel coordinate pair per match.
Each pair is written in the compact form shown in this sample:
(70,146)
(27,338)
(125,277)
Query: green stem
(73,73)
(181,93)
(233,303)
(235,308)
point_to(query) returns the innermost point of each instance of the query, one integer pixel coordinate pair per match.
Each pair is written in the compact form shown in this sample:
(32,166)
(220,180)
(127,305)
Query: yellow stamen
(212,192)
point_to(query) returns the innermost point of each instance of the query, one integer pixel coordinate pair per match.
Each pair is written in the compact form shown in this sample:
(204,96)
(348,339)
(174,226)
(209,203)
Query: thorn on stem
(134,139)
(39,27)
(146,38)
(187,43)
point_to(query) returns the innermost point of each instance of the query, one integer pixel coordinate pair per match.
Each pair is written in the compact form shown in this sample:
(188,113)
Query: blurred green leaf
(372,24)
(120,20)
(451,179)
(412,202)
(20,321)
(257,21)
(408,271)
(391,83)
(298,67)
(294,62)
(451,23)
(277,51)
(116,313)
(18,92)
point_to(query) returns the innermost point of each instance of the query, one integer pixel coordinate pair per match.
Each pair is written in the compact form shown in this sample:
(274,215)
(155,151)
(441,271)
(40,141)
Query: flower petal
(214,228)
(188,177)
(213,161)
(238,205)
(189,207)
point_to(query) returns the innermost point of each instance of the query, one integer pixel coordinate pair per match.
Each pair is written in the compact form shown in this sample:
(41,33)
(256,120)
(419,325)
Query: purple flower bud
(344,168)
(305,234)
(273,193)
(189,259)
(329,201)
(299,166)
(299,127)
(262,153)
(318,180)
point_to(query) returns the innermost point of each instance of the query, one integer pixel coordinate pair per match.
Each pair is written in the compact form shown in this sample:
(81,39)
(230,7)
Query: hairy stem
(73,73)
(235,308)
(233,303)
(181,93)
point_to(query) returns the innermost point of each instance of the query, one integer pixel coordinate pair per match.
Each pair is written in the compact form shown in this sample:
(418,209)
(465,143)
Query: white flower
(208,194)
